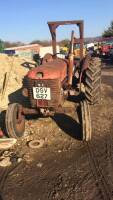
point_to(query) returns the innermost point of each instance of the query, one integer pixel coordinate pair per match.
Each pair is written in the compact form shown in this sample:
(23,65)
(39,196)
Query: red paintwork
(1,133)
(105,48)
(51,70)
(42,103)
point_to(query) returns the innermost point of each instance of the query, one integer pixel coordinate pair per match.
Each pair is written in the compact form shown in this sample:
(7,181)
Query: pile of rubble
(12,72)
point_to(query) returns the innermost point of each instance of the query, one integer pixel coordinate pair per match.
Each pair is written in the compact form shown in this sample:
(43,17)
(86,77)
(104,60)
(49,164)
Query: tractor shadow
(2,123)
(69,125)
(76,98)
(17,97)
(1,197)
(107,62)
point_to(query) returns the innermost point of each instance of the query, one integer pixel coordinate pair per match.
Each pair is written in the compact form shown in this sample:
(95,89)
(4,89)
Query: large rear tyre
(93,81)
(15,121)
(85,121)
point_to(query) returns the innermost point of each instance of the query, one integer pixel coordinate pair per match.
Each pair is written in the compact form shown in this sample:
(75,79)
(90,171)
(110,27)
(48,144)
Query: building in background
(28,51)
(48,49)
(24,51)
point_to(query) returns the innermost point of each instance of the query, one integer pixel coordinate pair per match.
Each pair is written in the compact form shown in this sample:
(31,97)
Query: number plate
(41,93)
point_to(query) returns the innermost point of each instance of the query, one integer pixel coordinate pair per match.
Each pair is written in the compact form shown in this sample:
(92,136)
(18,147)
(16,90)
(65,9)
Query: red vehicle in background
(105,49)
(106,45)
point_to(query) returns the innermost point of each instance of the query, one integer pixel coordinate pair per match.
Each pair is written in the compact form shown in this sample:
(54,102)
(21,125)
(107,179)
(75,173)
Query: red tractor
(48,86)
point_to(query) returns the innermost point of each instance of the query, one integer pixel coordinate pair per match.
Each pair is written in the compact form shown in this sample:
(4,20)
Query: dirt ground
(65,167)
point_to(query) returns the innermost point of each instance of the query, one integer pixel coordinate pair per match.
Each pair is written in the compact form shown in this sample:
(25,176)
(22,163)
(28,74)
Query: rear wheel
(85,121)
(93,81)
(15,121)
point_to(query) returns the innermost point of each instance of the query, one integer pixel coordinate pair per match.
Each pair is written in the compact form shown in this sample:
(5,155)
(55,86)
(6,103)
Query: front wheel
(85,121)
(15,121)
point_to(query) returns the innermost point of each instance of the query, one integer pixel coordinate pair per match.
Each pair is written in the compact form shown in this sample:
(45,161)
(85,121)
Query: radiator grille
(53,84)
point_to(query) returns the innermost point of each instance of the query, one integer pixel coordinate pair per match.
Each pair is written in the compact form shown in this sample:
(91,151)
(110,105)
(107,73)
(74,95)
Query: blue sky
(26,20)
